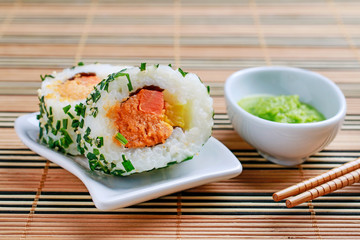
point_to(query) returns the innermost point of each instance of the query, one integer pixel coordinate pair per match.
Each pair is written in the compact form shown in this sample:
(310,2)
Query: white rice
(181,145)
(52,133)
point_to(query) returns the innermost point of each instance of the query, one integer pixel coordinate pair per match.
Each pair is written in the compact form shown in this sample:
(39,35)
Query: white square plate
(214,163)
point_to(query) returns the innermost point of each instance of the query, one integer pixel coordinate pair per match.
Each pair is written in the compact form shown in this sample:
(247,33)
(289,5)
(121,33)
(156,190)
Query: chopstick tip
(289,204)
(275,197)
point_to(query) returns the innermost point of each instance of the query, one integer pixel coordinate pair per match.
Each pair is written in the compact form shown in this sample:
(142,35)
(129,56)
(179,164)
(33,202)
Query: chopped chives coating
(188,158)
(51,127)
(143,67)
(99,142)
(67,108)
(182,72)
(121,138)
(130,87)
(75,123)
(127,164)
(86,136)
(54,131)
(95,96)
(46,76)
(66,139)
(96,151)
(61,122)
(80,109)
(117,172)
(70,115)
(94,112)
(104,85)
(171,163)
(65,123)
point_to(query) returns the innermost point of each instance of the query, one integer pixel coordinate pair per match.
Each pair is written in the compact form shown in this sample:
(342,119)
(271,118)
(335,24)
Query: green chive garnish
(65,123)
(127,164)
(41,133)
(91,156)
(188,158)
(75,123)
(70,115)
(67,139)
(99,142)
(95,96)
(46,75)
(67,108)
(130,87)
(143,67)
(80,109)
(95,112)
(118,172)
(182,72)
(96,151)
(121,138)
(86,136)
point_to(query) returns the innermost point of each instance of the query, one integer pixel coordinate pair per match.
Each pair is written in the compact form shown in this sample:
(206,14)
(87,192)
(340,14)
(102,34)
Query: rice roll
(143,118)
(59,94)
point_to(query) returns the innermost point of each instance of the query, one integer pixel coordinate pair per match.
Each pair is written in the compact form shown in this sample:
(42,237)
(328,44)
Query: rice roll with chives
(59,94)
(143,118)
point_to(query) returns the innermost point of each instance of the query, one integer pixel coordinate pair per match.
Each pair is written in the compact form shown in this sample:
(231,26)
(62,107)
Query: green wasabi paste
(283,109)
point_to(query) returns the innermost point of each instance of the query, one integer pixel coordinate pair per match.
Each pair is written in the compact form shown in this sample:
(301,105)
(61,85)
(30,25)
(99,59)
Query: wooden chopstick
(325,188)
(347,170)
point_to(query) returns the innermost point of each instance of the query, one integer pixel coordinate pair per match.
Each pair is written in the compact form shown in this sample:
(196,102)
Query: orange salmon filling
(140,119)
(79,86)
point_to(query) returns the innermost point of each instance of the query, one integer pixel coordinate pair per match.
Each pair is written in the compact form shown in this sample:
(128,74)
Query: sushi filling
(78,87)
(144,119)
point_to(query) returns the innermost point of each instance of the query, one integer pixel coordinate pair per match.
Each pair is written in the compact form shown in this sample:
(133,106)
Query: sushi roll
(59,94)
(143,118)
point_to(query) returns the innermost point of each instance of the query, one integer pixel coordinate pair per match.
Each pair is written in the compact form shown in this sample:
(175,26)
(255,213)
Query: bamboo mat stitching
(260,32)
(311,208)
(343,29)
(263,45)
(36,200)
(177,27)
(177,59)
(85,32)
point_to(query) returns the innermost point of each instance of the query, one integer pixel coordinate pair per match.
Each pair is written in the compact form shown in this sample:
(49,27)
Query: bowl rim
(329,121)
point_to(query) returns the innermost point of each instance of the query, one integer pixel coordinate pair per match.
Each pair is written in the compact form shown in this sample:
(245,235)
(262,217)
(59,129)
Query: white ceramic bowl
(284,143)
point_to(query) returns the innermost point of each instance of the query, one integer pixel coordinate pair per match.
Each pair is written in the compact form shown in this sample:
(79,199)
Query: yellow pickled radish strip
(175,115)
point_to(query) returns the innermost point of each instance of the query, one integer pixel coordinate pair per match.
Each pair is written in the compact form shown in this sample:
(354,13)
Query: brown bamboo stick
(318,180)
(326,188)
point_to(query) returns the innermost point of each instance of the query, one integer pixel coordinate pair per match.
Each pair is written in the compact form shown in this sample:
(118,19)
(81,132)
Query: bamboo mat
(40,200)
